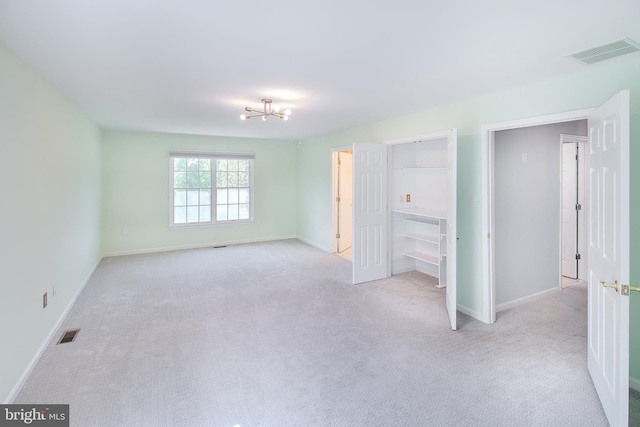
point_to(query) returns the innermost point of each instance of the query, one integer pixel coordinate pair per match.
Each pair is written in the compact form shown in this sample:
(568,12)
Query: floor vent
(606,51)
(69,336)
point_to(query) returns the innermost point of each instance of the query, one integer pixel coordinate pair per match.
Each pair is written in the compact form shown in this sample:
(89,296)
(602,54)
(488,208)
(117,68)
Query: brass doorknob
(624,289)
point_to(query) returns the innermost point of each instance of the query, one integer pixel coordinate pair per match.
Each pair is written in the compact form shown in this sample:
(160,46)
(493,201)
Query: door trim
(488,189)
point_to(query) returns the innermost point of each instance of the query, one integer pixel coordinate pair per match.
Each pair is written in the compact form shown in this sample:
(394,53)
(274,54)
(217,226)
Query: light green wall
(50,216)
(136,191)
(590,88)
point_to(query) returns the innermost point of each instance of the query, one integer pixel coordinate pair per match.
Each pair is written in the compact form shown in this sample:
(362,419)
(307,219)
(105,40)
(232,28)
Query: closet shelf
(422,237)
(423,257)
(420,212)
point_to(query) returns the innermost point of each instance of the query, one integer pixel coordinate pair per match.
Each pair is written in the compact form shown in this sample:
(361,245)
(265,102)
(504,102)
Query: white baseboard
(314,244)
(524,300)
(52,334)
(193,246)
(634,383)
(466,310)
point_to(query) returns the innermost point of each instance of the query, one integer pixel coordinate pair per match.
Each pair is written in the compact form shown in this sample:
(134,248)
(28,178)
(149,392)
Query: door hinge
(337,199)
(578,256)
(578,207)
(338,236)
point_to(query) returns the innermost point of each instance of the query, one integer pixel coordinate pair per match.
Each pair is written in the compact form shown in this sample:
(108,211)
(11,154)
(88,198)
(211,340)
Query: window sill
(212,224)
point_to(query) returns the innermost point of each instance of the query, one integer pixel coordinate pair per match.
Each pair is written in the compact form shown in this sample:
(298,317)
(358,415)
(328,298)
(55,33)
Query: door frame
(334,194)
(488,190)
(582,229)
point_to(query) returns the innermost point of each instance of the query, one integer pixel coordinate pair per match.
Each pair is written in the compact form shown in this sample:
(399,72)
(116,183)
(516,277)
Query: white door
(452,238)
(607,157)
(345,189)
(369,212)
(569,212)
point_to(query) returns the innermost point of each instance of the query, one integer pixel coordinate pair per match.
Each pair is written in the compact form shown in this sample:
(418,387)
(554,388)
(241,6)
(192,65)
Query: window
(210,188)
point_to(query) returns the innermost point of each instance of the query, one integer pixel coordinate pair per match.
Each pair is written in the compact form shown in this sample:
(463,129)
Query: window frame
(213,156)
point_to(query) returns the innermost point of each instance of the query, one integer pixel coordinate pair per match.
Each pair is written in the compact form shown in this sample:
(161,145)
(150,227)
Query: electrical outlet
(401,199)
(44,300)
(408,198)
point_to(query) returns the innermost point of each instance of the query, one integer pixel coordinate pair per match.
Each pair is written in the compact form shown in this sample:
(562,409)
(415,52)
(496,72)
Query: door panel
(608,256)
(369,212)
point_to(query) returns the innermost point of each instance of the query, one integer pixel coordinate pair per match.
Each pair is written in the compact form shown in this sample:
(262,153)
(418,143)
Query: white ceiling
(191,66)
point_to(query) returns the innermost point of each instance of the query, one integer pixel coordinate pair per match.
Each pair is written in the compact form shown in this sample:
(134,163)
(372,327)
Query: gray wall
(527,209)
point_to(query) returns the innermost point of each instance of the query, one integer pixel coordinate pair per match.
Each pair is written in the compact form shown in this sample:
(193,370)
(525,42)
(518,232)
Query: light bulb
(243,117)
(285,117)
(287,112)
(264,118)
(276,108)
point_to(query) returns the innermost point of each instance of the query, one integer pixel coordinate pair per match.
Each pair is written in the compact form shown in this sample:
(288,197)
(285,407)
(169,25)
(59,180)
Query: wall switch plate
(44,300)
(408,198)
(124,232)
(525,158)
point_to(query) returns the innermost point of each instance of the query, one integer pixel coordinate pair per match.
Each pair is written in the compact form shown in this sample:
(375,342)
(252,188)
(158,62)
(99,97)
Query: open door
(452,237)
(569,210)
(607,157)
(369,212)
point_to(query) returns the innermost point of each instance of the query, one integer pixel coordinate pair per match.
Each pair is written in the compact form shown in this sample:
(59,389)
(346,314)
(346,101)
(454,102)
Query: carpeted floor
(274,334)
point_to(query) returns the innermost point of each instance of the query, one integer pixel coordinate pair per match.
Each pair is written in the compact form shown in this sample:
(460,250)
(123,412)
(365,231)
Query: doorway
(607,203)
(528,199)
(573,200)
(521,159)
(342,203)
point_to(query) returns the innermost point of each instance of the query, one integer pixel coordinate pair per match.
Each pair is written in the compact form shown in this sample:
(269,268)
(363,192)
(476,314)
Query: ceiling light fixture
(267,110)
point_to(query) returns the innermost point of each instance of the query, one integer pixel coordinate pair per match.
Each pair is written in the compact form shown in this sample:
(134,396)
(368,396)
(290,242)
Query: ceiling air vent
(606,51)
(69,336)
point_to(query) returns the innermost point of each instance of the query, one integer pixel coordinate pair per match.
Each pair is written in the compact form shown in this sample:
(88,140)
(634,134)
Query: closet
(404,210)
(422,208)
